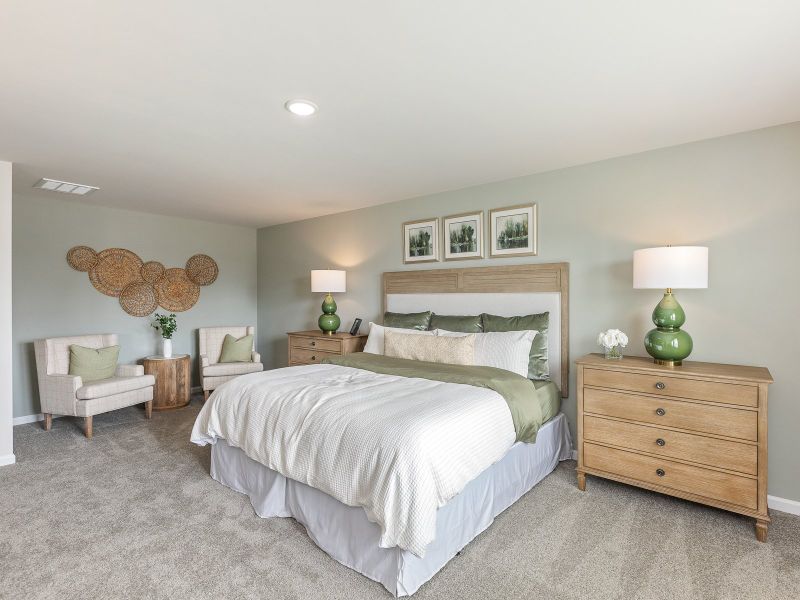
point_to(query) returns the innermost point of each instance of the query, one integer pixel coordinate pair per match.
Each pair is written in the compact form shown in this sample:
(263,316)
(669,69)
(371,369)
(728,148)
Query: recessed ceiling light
(54,185)
(301,108)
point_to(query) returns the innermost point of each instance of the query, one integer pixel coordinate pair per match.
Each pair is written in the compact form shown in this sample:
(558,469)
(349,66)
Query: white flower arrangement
(612,341)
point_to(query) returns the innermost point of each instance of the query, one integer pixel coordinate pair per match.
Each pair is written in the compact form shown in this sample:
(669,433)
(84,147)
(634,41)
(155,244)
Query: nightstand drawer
(725,487)
(668,385)
(317,343)
(735,456)
(309,357)
(719,420)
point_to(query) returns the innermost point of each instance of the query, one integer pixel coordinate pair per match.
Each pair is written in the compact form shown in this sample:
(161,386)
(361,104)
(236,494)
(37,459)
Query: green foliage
(419,242)
(513,232)
(166,325)
(462,238)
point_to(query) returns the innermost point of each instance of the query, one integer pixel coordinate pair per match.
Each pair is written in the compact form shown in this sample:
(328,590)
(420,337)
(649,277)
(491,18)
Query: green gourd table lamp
(668,268)
(328,281)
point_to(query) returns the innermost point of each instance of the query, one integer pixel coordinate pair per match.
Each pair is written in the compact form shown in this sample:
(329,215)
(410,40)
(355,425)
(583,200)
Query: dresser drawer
(309,357)
(670,385)
(725,487)
(719,420)
(724,454)
(318,343)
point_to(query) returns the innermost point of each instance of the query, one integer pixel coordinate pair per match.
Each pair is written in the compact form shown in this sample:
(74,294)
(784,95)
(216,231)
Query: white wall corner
(6,390)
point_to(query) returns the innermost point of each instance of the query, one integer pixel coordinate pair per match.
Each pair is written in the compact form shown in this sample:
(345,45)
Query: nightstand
(311,347)
(698,431)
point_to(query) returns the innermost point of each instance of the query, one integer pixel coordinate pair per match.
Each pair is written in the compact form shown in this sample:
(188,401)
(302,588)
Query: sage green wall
(50,299)
(739,195)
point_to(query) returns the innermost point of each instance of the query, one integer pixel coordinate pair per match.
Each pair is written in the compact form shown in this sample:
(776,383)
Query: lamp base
(668,344)
(668,363)
(329,321)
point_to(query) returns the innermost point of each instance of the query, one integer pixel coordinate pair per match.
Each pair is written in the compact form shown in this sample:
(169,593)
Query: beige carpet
(133,513)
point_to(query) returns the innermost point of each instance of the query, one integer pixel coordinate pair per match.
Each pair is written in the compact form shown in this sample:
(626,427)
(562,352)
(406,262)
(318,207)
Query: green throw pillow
(93,364)
(420,321)
(537,367)
(234,350)
(464,324)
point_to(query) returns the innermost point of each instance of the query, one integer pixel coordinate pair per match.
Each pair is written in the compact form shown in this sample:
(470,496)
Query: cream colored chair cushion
(113,385)
(238,368)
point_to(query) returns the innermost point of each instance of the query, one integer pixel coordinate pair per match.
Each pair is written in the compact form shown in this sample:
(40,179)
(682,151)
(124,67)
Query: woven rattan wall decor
(144,286)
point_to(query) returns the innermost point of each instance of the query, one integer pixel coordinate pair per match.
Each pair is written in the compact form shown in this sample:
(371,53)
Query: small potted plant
(612,342)
(166,325)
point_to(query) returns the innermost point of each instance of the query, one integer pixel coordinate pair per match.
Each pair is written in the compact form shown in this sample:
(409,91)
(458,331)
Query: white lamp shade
(328,280)
(680,267)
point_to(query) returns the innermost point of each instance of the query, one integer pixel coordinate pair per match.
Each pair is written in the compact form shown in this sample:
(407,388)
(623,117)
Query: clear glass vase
(614,353)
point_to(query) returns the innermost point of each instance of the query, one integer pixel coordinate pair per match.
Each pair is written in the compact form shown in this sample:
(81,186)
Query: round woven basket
(116,268)
(175,291)
(202,269)
(139,299)
(152,271)
(81,258)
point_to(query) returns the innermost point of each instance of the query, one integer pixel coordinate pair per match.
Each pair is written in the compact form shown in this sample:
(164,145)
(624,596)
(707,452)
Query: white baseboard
(8,459)
(31,419)
(784,505)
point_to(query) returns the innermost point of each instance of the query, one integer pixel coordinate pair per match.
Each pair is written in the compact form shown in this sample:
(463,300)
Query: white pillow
(509,350)
(375,341)
(431,348)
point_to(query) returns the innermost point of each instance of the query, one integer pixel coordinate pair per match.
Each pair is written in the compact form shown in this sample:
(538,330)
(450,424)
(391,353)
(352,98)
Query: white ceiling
(177,107)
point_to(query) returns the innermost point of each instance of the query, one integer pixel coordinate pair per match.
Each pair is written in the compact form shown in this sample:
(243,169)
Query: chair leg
(48,421)
(87,427)
(205,395)
(148,409)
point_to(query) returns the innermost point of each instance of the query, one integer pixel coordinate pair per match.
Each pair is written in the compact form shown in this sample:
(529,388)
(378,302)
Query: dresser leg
(761,530)
(582,482)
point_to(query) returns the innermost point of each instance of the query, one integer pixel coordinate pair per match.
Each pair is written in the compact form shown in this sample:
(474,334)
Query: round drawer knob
(660,412)
(313,357)
(660,472)
(661,442)
(660,385)
(313,344)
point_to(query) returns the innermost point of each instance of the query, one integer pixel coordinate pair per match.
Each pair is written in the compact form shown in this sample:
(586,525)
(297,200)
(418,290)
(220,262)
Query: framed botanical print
(463,236)
(421,241)
(513,231)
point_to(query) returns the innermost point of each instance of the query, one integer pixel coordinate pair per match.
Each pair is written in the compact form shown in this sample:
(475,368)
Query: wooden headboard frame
(541,277)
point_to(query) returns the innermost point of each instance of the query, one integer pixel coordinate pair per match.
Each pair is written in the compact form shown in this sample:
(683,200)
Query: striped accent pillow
(450,350)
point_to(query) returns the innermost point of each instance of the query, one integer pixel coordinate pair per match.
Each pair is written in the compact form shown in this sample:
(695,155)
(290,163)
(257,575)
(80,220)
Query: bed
(384,480)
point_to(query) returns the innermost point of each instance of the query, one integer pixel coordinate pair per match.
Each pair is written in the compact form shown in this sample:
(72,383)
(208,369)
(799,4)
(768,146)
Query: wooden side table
(311,347)
(173,380)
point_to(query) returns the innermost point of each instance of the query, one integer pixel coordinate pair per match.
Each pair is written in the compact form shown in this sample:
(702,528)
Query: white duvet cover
(399,447)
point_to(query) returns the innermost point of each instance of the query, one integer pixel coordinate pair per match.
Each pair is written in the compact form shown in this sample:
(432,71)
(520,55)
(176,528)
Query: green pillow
(420,321)
(234,350)
(93,364)
(537,366)
(464,324)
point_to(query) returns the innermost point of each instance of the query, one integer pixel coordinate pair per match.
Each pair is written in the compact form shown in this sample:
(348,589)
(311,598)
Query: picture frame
(421,241)
(462,236)
(513,231)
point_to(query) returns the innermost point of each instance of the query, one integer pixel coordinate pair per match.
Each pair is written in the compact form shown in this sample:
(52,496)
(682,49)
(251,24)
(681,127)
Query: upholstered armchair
(215,373)
(63,394)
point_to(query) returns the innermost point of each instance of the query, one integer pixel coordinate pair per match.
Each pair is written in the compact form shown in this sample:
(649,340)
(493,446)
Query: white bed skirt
(347,536)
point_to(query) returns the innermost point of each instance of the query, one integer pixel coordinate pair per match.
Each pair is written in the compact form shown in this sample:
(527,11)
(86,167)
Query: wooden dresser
(698,431)
(310,347)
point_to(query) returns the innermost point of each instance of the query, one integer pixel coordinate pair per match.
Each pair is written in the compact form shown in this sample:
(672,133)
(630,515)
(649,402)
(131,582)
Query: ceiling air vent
(64,186)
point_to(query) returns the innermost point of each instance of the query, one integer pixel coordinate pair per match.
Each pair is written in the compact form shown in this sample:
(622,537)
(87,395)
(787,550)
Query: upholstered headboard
(503,290)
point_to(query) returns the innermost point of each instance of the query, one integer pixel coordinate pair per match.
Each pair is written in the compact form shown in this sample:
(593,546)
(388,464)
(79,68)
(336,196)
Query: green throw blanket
(532,404)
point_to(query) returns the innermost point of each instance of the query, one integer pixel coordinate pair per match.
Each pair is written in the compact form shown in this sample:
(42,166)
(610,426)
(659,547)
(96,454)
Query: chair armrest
(130,370)
(58,393)
(203,361)
(255,357)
